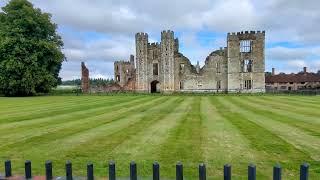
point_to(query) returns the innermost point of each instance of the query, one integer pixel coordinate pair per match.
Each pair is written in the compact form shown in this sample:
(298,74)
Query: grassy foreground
(239,130)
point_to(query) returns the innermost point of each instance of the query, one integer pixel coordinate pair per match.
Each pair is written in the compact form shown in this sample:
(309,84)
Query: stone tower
(124,71)
(246,63)
(84,78)
(141,62)
(168,47)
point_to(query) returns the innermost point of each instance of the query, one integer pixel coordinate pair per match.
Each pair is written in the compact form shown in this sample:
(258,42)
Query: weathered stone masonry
(160,67)
(84,78)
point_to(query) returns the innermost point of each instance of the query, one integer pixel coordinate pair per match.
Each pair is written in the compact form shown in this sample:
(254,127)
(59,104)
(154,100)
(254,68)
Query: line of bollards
(304,171)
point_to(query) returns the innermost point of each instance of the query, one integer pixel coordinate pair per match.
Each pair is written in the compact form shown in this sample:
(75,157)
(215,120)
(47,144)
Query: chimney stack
(305,69)
(273,71)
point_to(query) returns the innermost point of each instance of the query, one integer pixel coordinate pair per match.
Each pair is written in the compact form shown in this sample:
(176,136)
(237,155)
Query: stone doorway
(155,87)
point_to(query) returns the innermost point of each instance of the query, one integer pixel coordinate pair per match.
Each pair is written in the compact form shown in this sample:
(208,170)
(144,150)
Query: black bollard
(202,172)
(133,171)
(27,169)
(277,172)
(112,170)
(179,171)
(68,170)
(48,166)
(90,171)
(251,172)
(304,174)
(227,172)
(156,171)
(7,165)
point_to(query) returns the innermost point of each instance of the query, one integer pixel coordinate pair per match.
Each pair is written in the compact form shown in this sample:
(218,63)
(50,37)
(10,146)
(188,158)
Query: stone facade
(84,78)
(160,67)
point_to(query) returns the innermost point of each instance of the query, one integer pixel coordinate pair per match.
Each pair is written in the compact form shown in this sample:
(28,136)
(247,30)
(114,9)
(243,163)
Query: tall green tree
(30,50)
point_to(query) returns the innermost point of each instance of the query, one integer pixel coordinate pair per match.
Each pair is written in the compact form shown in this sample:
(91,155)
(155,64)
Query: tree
(30,50)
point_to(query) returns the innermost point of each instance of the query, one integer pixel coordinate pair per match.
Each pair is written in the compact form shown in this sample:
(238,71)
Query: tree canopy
(30,50)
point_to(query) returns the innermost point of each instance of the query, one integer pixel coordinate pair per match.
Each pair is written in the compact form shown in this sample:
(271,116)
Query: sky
(100,32)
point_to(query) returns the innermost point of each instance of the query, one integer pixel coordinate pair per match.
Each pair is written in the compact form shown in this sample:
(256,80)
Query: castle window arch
(245,46)
(218,67)
(247,65)
(155,69)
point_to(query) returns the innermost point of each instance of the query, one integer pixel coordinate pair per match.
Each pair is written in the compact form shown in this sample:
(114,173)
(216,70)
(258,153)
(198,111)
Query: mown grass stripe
(101,146)
(279,115)
(291,112)
(51,102)
(270,147)
(31,128)
(33,114)
(306,108)
(224,142)
(185,138)
(70,128)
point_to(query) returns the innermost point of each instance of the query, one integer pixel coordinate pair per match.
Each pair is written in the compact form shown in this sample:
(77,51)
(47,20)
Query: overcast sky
(100,32)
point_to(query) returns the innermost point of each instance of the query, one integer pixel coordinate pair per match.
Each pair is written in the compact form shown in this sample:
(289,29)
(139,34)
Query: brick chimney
(273,71)
(305,69)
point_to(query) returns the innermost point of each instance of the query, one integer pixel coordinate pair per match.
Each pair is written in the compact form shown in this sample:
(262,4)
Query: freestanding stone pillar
(84,78)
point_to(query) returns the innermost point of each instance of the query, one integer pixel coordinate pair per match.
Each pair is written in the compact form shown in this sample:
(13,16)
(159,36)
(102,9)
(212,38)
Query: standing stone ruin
(84,78)
(161,67)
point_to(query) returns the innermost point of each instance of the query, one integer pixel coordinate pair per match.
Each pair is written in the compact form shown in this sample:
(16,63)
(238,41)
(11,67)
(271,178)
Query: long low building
(292,82)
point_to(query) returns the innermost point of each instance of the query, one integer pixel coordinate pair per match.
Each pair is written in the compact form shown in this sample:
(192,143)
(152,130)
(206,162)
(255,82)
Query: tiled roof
(295,78)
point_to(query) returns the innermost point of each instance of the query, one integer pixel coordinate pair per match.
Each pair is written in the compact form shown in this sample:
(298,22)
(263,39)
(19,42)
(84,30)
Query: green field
(239,130)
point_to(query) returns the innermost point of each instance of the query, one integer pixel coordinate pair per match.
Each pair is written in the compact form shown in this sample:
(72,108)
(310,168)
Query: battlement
(141,35)
(245,32)
(245,35)
(168,34)
(155,44)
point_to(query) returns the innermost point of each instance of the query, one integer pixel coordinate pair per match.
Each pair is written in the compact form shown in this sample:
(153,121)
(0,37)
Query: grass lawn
(239,130)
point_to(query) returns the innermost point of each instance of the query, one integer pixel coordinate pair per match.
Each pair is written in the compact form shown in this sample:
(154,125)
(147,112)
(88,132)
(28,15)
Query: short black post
(112,170)
(304,174)
(156,171)
(277,172)
(202,172)
(179,171)
(227,172)
(48,166)
(27,169)
(7,165)
(90,171)
(133,171)
(68,170)
(251,172)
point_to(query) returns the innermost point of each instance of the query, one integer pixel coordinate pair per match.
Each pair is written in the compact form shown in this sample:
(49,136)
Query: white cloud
(291,21)
(287,54)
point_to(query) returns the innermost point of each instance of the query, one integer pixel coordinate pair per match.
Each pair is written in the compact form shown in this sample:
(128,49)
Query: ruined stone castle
(161,67)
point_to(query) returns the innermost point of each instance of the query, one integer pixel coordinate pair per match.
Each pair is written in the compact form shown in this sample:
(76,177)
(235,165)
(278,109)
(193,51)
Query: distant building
(292,82)
(161,67)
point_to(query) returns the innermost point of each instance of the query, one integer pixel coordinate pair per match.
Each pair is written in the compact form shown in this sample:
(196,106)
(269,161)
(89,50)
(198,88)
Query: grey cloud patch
(284,53)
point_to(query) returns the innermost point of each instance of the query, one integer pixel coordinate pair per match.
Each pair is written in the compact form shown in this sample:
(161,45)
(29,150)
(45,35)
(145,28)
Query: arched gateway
(155,87)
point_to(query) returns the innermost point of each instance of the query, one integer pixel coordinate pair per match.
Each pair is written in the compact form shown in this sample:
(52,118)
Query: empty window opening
(181,85)
(245,46)
(118,78)
(218,84)
(218,67)
(117,68)
(248,84)
(181,67)
(247,65)
(155,69)
(127,71)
